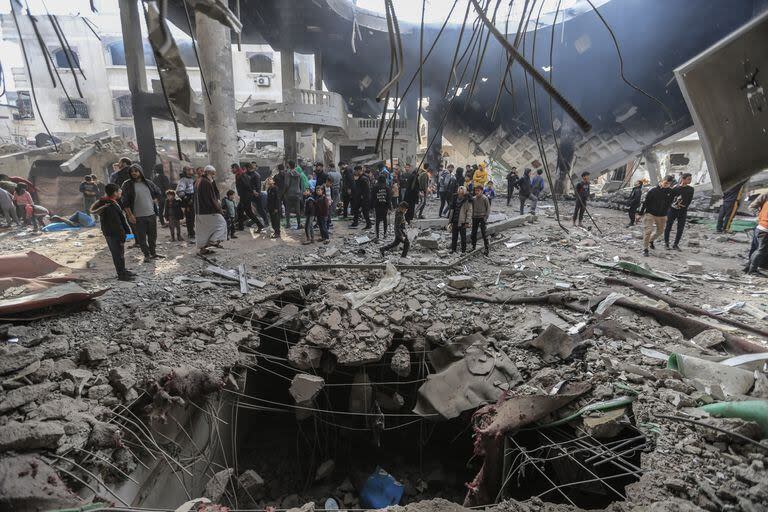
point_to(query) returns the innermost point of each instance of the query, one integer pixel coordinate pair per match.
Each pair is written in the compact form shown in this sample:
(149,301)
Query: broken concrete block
(30,435)
(217,485)
(430,241)
(29,483)
(98,392)
(383,333)
(401,361)
(319,335)
(305,357)
(331,251)
(393,402)
(104,435)
(14,357)
(396,317)
(413,304)
(554,341)
(333,321)
(183,310)
(305,387)
(24,395)
(123,378)
(94,354)
(694,267)
(512,222)
(251,482)
(325,470)
(605,424)
(709,338)
(460,282)
(77,375)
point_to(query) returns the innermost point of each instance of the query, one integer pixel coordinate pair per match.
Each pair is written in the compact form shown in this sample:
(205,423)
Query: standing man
(423,184)
(443,184)
(320,175)
(731,199)
(537,186)
(185,191)
(459,216)
(211,226)
(362,198)
(293,195)
(90,193)
(164,184)
(481,209)
(682,195)
(254,180)
(656,204)
(582,196)
(245,204)
(382,200)
(273,207)
(524,184)
(334,190)
(139,198)
(512,180)
(114,227)
(760,256)
(348,184)
(635,196)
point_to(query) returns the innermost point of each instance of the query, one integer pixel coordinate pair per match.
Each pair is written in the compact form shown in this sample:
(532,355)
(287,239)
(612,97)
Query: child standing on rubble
(309,217)
(114,227)
(173,212)
(400,233)
(323,211)
(229,207)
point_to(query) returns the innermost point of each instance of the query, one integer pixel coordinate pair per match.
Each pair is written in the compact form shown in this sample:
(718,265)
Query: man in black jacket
(362,198)
(164,184)
(347,187)
(114,227)
(256,186)
(635,197)
(245,193)
(139,200)
(582,196)
(512,179)
(682,195)
(654,208)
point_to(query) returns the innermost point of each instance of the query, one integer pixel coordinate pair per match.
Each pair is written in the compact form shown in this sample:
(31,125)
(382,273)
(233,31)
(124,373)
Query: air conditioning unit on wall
(263,81)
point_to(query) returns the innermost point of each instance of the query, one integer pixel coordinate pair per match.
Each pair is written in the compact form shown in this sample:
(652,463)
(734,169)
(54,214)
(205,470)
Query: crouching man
(115,228)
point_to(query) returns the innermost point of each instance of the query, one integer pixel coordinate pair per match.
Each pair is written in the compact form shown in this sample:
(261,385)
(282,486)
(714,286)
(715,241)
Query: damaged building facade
(554,369)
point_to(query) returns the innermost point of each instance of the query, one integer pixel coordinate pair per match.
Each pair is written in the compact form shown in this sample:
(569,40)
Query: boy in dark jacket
(400,233)
(309,217)
(323,210)
(381,201)
(173,212)
(229,208)
(115,227)
(274,203)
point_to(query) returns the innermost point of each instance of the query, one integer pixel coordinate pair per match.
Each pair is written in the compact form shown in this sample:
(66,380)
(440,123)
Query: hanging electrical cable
(31,79)
(421,70)
(91,27)
(399,50)
(192,34)
(43,48)
(537,77)
(621,65)
(67,52)
(69,48)
(510,60)
(162,87)
(381,132)
(456,53)
(473,82)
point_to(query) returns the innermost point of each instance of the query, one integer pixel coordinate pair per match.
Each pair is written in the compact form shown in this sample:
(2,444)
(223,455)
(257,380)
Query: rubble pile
(370,352)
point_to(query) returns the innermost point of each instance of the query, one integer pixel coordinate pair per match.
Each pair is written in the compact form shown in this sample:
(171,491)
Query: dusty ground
(161,322)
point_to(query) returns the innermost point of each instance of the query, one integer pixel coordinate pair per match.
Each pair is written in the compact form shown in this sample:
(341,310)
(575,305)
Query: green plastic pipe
(750,410)
(600,406)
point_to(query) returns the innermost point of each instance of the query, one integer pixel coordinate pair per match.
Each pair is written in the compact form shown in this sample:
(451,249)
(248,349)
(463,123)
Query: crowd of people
(131,205)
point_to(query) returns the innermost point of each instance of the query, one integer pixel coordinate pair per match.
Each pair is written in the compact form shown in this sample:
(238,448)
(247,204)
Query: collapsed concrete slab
(30,435)
(512,222)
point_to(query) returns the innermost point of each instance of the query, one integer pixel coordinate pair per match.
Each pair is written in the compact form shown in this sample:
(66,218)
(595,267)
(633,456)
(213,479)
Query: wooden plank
(231,274)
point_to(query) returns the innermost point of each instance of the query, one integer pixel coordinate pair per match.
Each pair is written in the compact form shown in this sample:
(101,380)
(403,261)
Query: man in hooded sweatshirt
(114,227)
(524,186)
(140,196)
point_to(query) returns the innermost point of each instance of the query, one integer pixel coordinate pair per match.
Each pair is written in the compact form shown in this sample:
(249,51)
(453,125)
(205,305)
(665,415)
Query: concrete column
(214,45)
(130,22)
(652,165)
(288,77)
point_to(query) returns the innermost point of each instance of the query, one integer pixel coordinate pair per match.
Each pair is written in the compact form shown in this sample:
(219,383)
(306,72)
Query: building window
(201,146)
(23,102)
(76,109)
(123,105)
(60,58)
(116,53)
(260,62)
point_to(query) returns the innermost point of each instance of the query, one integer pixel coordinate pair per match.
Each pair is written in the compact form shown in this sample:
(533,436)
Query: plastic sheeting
(388,283)
(61,295)
(29,265)
(732,381)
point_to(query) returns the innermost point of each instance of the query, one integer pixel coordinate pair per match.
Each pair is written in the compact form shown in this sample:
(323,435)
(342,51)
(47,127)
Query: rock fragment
(30,435)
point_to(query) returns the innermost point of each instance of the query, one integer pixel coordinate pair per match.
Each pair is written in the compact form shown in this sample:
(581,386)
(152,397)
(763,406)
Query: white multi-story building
(97,50)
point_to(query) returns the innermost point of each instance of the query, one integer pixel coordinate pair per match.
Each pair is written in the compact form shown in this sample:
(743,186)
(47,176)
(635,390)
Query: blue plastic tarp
(381,490)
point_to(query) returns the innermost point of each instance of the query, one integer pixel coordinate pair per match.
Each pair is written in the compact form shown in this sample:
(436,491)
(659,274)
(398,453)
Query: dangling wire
(31,79)
(421,71)
(194,48)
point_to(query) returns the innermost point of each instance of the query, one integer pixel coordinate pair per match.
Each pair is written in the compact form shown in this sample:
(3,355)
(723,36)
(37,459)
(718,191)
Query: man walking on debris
(254,181)
(293,194)
(423,182)
(731,199)
(401,236)
(443,184)
(164,184)
(635,197)
(411,192)
(682,195)
(333,191)
(114,227)
(361,199)
(382,200)
(211,226)
(459,216)
(273,207)
(348,184)
(185,191)
(537,187)
(481,209)
(245,194)
(512,180)
(582,196)
(760,256)
(524,185)
(654,209)
(139,198)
